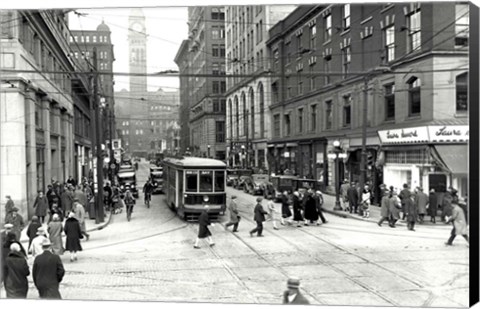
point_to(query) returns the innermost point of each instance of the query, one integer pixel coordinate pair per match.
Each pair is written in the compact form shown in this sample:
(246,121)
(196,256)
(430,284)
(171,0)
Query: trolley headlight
(205,198)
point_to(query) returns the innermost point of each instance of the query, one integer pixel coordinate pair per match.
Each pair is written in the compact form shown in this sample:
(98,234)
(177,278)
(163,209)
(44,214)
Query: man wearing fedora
(17,221)
(8,206)
(234,216)
(48,272)
(259,217)
(36,246)
(292,296)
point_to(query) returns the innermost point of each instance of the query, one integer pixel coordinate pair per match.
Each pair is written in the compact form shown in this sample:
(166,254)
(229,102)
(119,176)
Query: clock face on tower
(137,27)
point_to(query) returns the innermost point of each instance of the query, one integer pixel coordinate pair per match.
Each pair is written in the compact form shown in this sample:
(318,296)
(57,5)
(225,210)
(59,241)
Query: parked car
(281,183)
(255,184)
(156,175)
(234,173)
(127,181)
(303,184)
(239,183)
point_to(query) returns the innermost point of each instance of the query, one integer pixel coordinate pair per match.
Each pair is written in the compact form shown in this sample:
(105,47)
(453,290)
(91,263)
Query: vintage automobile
(256,184)
(156,175)
(303,184)
(280,183)
(234,174)
(239,183)
(127,181)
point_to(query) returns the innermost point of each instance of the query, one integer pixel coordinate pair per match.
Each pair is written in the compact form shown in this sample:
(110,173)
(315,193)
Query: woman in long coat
(203,231)
(234,215)
(41,206)
(286,213)
(421,201)
(394,207)
(432,205)
(384,208)
(66,200)
(459,224)
(297,208)
(55,230)
(74,234)
(311,213)
(411,211)
(15,274)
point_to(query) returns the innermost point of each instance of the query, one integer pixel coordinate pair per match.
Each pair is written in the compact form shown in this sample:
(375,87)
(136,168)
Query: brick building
(413,60)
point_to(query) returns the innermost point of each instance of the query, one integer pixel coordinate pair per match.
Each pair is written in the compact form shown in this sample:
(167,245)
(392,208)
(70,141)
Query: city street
(343,262)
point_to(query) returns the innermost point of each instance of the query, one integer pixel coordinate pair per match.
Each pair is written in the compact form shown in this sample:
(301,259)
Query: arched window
(245,115)
(261,109)
(461,97)
(237,119)
(252,112)
(414,102)
(230,117)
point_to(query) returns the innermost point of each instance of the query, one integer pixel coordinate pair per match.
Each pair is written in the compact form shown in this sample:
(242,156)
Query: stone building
(407,61)
(36,104)
(248,98)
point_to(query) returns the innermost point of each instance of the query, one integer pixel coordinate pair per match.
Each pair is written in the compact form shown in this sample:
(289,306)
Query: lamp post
(337,155)
(243,156)
(208,151)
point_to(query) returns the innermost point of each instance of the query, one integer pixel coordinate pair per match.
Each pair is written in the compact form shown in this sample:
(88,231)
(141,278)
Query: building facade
(36,104)
(206,54)
(83,43)
(248,99)
(407,61)
(183,63)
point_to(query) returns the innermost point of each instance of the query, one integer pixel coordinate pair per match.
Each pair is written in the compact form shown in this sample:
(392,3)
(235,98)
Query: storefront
(427,156)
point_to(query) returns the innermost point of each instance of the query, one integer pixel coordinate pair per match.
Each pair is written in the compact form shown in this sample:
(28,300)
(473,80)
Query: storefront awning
(292,144)
(454,157)
(270,145)
(280,146)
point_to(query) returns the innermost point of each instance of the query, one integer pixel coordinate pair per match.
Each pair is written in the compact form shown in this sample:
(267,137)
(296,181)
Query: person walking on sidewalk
(74,234)
(234,215)
(129,203)
(411,211)
(203,231)
(432,205)
(292,296)
(459,224)
(311,211)
(404,196)
(9,205)
(319,204)
(352,195)
(66,198)
(366,198)
(79,211)
(259,218)
(51,197)
(344,193)
(47,273)
(421,202)
(384,208)
(297,208)
(55,230)
(394,207)
(286,213)
(17,221)
(36,246)
(15,273)
(32,230)
(272,212)
(41,206)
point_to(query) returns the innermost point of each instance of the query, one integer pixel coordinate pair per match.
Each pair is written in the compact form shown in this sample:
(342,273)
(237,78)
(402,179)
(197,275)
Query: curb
(104,225)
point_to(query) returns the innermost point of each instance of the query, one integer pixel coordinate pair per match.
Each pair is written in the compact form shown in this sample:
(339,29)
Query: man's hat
(40,231)
(15,209)
(8,226)
(7,196)
(259,199)
(293,283)
(234,196)
(46,243)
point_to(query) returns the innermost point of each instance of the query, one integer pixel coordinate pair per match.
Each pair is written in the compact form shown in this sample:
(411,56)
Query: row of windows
(86,39)
(160,107)
(414,107)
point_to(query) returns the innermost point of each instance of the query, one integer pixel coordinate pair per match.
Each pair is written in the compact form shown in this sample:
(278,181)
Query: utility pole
(110,122)
(99,196)
(363,160)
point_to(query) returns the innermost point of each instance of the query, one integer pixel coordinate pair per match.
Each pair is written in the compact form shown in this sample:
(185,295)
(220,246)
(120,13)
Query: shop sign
(406,135)
(448,133)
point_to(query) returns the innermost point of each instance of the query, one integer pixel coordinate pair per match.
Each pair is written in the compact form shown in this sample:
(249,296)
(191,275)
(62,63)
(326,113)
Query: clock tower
(137,48)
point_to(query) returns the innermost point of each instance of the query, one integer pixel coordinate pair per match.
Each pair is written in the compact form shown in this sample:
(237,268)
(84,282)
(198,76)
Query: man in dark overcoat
(459,224)
(15,273)
(203,231)
(74,233)
(51,197)
(404,196)
(8,206)
(66,199)
(17,221)
(48,272)
(421,201)
(259,218)
(352,194)
(432,205)
(318,197)
(384,208)
(292,296)
(410,211)
(297,208)
(286,213)
(311,211)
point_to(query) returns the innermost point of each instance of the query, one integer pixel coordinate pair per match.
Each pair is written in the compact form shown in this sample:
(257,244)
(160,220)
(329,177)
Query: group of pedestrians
(307,208)
(356,199)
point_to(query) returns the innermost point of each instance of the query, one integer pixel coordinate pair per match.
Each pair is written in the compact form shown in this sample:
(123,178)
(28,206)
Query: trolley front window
(219,181)
(192,181)
(206,181)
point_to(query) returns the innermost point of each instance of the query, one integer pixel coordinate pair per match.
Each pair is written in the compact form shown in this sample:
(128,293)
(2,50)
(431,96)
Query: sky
(166,28)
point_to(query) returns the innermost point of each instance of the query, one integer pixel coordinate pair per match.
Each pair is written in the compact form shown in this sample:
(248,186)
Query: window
(220,131)
(94,39)
(206,181)
(461,25)
(87,39)
(389,102)
(313,117)
(215,69)
(346,17)
(312,79)
(191,178)
(328,115)
(414,26)
(289,87)
(216,87)
(219,181)
(326,68)
(414,106)
(260,31)
(347,110)
(300,85)
(299,44)
(300,120)
(262,109)
(215,33)
(218,14)
(389,35)
(346,60)
(288,51)
(313,37)
(276,125)
(328,27)
(462,92)
(223,87)
(275,93)
(286,118)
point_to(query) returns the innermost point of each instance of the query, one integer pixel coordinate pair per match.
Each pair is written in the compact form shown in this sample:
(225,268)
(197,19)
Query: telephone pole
(99,214)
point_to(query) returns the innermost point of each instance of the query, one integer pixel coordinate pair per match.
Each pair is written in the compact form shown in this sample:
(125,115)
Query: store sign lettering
(404,135)
(449,133)
(426,134)
(446,132)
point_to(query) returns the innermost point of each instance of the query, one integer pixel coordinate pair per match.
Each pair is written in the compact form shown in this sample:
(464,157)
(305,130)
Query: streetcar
(189,183)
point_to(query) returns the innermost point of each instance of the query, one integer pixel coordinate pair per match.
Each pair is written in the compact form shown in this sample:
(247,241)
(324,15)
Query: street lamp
(243,156)
(208,150)
(337,155)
